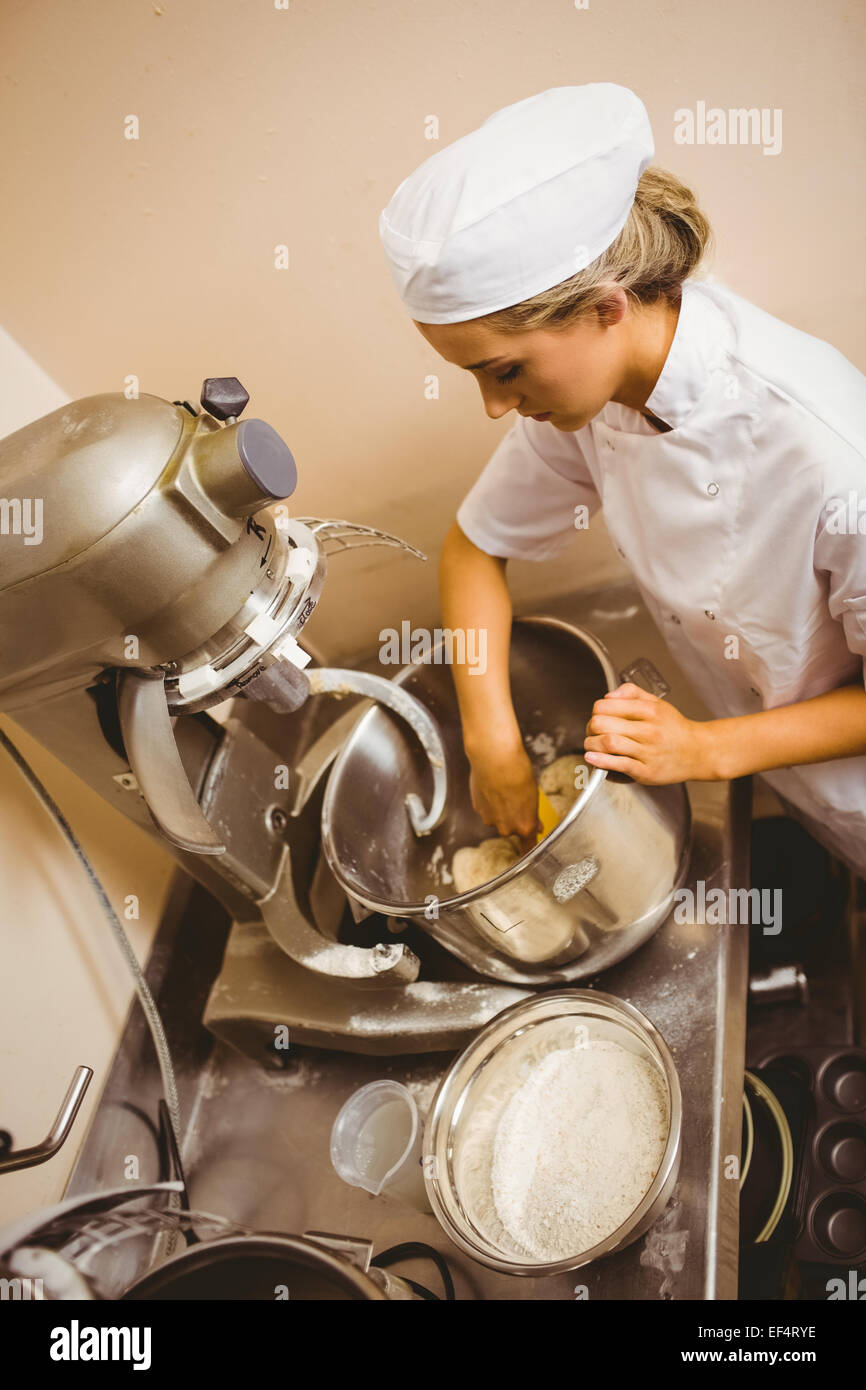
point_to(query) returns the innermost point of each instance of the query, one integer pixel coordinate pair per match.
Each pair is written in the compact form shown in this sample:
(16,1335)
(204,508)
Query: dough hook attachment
(331,681)
(155,762)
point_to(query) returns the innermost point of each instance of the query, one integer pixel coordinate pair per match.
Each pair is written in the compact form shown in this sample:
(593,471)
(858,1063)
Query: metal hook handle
(646,674)
(28,1158)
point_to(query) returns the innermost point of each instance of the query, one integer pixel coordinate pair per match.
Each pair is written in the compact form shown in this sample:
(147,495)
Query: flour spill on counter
(298,1075)
(439,1003)
(665,1248)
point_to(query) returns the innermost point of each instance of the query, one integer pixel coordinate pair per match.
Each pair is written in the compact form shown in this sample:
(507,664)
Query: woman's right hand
(504,791)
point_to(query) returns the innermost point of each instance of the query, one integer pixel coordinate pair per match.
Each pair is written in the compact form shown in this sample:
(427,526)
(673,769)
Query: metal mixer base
(263,1003)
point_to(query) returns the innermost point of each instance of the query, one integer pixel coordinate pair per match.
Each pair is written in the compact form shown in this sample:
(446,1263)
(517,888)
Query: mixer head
(160,566)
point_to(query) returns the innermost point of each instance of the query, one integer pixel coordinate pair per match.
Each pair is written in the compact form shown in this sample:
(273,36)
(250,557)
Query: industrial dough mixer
(150,640)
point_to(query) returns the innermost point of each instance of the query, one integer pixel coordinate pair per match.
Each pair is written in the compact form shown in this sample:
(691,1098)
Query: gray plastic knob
(267,459)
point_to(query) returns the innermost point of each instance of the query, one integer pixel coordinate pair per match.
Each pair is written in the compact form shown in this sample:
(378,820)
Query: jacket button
(713,489)
(709,614)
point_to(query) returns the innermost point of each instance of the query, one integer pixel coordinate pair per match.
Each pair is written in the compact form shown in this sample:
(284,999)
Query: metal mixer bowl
(592,891)
(461,1127)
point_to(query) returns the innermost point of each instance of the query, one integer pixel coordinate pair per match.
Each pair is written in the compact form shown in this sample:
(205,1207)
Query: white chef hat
(522,203)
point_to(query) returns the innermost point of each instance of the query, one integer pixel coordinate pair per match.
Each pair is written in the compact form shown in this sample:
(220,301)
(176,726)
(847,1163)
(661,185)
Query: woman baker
(544,254)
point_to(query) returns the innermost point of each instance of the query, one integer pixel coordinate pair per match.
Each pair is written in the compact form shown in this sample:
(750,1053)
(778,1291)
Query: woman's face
(568,374)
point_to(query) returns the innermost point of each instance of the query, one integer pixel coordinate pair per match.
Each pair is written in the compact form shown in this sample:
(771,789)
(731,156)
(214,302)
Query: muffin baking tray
(829,1206)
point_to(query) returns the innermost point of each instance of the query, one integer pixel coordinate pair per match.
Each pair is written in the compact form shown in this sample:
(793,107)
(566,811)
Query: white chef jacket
(733,523)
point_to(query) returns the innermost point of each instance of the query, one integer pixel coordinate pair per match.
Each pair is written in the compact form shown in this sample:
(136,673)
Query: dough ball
(560,804)
(477,864)
(522,920)
(557,781)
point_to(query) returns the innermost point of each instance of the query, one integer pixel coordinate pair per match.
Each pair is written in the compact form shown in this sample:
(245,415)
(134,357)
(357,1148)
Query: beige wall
(155,258)
(261,126)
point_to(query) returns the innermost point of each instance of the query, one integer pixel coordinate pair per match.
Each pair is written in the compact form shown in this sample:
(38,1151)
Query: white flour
(577,1147)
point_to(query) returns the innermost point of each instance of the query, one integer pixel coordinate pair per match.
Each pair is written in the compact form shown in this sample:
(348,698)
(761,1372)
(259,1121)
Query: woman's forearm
(828,726)
(474,594)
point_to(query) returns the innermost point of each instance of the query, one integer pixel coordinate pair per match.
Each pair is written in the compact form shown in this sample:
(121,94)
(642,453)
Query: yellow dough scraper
(548,817)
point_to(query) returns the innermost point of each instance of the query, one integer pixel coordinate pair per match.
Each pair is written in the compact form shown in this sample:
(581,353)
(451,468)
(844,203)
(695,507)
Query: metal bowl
(591,892)
(461,1126)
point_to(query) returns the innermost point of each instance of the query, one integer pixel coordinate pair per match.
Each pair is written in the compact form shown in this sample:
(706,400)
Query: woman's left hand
(642,735)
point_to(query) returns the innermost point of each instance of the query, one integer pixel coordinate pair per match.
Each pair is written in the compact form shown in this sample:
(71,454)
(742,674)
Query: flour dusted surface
(577,1147)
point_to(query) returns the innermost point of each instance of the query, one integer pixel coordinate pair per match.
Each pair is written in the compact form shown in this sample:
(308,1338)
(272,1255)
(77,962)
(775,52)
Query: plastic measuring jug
(376,1143)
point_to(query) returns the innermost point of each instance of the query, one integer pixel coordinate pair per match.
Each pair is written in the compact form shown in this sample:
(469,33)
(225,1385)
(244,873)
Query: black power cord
(413,1249)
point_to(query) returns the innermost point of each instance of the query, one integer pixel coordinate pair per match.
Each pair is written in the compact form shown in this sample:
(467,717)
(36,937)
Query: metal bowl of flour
(466,1122)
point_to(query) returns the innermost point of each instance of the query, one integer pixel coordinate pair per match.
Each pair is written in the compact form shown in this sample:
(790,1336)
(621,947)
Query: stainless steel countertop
(257,1142)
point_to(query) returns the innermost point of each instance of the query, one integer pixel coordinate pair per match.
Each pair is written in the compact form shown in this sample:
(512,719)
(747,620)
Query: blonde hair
(660,246)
